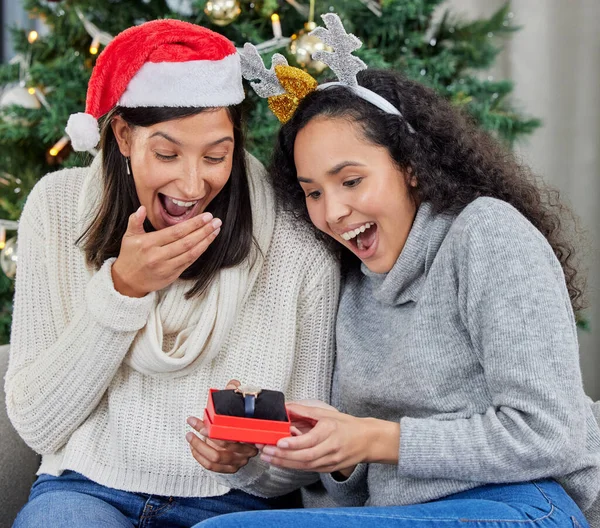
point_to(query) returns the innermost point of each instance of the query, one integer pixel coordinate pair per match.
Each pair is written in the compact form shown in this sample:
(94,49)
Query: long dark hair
(102,238)
(453,160)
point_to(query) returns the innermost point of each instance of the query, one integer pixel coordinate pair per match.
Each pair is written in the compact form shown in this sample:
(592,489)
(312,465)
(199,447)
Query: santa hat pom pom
(83,131)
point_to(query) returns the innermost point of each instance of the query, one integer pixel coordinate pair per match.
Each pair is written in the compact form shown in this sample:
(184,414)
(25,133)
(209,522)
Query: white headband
(371,97)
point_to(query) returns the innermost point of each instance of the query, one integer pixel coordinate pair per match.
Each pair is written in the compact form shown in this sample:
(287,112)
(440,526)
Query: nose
(191,184)
(335,210)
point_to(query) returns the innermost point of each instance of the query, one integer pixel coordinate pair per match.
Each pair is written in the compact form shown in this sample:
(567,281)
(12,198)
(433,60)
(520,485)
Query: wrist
(383,441)
(121,285)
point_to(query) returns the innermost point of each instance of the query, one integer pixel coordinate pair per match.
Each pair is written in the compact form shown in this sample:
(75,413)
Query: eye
(215,160)
(352,183)
(165,157)
(314,195)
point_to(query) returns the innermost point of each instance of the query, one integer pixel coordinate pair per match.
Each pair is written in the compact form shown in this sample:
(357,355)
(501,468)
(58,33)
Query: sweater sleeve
(59,369)
(515,306)
(310,378)
(350,492)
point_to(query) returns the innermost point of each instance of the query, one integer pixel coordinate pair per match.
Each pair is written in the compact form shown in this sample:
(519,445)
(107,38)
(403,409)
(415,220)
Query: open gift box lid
(238,429)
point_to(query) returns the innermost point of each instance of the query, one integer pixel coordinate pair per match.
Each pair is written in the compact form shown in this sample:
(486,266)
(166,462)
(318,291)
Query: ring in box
(241,429)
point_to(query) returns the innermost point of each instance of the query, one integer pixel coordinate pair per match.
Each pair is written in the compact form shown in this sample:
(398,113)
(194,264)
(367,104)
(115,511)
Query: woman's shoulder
(492,230)
(496,221)
(60,185)
(57,191)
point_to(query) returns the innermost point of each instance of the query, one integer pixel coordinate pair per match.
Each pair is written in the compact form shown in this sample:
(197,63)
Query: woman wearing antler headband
(457,374)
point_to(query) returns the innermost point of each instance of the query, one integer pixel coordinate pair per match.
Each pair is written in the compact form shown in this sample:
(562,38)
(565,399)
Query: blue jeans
(73,501)
(528,505)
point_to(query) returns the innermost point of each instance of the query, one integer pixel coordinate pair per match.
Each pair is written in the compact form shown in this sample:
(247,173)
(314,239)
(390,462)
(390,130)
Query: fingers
(187,250)
(321,453)
(232,384)
(309,461)
(177,232)
(214,458)
(191,253)
(209,464)
(308,413)
(238,448)
(135,225)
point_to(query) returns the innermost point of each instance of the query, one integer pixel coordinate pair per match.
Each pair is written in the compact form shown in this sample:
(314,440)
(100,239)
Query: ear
(122,132)
(411,179)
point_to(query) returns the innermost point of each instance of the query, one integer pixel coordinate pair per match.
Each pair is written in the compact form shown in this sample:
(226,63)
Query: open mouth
(362,238)
(177,210)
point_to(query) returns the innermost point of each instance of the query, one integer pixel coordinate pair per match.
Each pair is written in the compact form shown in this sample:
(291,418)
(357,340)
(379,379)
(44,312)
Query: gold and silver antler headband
(285,86)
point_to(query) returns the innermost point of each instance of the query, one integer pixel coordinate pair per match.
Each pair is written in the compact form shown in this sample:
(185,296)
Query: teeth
(351,234)
(182,204)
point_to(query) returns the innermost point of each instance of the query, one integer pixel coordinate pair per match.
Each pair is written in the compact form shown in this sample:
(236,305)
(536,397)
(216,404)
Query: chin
(379,267)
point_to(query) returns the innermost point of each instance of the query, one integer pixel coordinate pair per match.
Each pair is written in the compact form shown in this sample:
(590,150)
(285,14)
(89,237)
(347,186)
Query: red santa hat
(159,63)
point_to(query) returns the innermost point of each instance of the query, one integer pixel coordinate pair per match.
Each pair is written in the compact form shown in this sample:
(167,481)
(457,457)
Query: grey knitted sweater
(470,343)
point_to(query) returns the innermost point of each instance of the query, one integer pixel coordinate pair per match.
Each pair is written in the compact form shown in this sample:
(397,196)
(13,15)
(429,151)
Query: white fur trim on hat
(83,131)
(193,83)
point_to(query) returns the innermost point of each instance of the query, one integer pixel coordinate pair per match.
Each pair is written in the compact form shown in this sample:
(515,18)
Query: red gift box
(238,429)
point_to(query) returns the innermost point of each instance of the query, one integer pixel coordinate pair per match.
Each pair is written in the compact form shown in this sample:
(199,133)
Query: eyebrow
(336,169)
(173,140)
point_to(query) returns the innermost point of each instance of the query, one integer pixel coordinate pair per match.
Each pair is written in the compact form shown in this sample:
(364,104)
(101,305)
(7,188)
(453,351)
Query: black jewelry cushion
(269,404)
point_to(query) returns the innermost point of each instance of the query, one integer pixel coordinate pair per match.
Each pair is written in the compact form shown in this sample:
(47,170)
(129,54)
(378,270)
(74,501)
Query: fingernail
(268,450)
(206,217)
(203,432)
(189,436)
(217,223)
(283,443)
(192,421)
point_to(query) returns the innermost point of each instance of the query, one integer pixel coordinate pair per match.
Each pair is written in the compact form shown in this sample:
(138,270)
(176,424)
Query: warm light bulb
(60,144)
(276,25)
(95,46)
(32,37)
(31,90)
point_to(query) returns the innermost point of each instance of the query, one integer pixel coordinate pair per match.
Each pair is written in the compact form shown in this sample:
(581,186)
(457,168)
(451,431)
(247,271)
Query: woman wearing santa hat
(161,270)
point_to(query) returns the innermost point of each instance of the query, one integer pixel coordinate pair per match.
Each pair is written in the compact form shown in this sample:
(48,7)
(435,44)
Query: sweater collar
(404,281)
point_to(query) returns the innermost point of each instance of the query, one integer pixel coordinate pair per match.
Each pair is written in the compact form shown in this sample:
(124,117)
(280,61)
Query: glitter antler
(341,61)
(263,80)
(283,85)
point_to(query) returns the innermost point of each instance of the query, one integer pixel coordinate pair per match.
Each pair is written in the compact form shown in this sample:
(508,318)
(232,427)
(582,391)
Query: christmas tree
(47,80)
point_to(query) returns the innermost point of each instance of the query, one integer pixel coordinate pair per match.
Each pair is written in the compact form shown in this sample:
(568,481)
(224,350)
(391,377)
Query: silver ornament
(8,258)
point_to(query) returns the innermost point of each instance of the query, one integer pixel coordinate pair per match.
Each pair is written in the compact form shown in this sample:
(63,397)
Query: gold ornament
(8,258)
(303,45)
(222,12)
(297,85)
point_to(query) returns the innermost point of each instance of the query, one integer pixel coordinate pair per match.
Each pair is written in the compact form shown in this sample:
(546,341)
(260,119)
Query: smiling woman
(458,388)
(160,271)
(180,159)
(364,203)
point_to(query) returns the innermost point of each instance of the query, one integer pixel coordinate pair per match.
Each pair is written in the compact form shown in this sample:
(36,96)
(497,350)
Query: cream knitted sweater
(74,399)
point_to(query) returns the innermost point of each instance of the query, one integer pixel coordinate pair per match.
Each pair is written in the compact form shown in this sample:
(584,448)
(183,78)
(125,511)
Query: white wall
(555,62)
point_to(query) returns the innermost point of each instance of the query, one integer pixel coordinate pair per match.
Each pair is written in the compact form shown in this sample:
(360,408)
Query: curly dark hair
(453,160)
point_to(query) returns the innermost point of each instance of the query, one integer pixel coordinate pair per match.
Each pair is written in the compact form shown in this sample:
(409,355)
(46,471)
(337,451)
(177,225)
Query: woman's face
(354,192)
(178,166)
